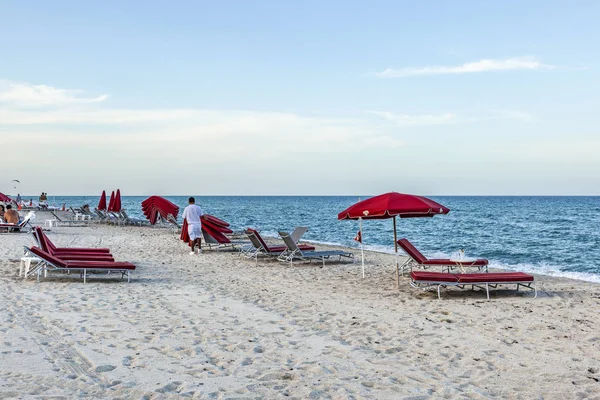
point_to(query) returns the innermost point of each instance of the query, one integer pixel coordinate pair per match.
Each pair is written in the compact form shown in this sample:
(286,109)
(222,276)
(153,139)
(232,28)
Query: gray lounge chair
(294,252)
(69,222)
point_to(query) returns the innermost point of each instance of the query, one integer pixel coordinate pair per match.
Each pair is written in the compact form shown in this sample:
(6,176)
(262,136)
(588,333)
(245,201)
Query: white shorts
(195,231)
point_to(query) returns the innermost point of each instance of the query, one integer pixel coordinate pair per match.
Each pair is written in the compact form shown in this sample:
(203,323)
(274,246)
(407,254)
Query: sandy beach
(220,326)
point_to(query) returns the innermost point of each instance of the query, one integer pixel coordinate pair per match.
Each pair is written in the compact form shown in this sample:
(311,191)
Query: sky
(300,98)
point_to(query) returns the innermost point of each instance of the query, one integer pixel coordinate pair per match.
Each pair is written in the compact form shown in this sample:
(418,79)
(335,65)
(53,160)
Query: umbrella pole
(362,246)
(396,250)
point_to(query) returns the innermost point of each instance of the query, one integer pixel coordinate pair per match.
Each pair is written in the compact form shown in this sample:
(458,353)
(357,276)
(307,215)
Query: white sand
(218,326)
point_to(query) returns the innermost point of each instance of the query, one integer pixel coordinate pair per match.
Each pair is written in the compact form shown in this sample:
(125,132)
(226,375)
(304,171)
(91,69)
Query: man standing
(192,214)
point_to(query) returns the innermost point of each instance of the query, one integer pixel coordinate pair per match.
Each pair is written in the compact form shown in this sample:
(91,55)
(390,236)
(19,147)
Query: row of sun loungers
(85,260)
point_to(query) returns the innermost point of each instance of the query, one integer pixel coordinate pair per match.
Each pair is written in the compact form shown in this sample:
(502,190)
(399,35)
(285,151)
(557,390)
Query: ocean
(557,236)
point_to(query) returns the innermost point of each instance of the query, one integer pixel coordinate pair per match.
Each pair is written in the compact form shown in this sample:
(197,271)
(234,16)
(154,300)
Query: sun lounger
(69,222)
(416,259)
(425,279)
(20,227)
(70,254)
(41,235)
(53,263)
(294,252)
(260,246)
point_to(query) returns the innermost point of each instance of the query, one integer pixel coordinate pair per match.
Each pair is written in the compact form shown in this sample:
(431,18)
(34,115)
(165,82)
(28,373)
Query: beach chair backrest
(412,251)
(56,216)
(209,239)
(48,245)
(290,244)
(251,233)
(36,237)
(298,233)
(48,257)
(263,244)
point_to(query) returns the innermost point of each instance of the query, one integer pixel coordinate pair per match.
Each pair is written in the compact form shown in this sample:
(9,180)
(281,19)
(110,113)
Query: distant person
(43,200)
(11,216)
(85,208)
(18,198)
(1,212)
(192,214)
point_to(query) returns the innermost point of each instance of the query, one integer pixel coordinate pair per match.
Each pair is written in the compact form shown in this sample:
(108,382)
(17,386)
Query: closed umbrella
(102,203)
(111,202)
(392,205)
(117,204)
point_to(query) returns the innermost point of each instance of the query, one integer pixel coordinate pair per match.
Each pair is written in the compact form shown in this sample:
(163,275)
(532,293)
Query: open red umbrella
(111,202)
(102,203)
(117,204)
(392,205)
(5,198)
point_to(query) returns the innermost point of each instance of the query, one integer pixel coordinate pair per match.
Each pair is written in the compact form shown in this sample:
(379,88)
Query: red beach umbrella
(102,203)
(392,205)
(117,204)
(5,198)
(111,202)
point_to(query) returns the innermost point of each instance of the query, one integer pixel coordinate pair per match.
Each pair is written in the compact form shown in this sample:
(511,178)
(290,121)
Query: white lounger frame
(428,284)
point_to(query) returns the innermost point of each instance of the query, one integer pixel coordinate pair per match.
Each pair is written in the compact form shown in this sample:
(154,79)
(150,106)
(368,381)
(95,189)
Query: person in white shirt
(192,214)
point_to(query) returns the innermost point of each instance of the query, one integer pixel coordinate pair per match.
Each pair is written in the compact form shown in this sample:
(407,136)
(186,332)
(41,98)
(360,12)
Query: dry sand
(219,326)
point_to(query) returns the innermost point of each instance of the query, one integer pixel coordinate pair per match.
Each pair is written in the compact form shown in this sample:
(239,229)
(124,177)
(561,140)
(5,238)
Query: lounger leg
(534,290)
(487,289)
(128,276)
(84,276)
(439,294)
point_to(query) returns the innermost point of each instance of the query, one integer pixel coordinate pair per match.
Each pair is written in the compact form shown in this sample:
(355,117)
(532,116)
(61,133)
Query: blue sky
(311,97)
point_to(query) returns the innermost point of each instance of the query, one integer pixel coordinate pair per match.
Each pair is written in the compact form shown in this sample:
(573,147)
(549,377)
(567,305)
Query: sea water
(547,235)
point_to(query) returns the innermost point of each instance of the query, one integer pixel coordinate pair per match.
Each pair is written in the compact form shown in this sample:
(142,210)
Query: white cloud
(233,132)
(520,63)
(405,120)
(514,114)
(26,95)
(417,120)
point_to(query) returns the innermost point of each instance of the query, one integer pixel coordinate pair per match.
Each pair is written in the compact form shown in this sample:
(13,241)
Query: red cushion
(412,251)
(81,250)
(78,257)
(442,261)
(433,276)
(48,257)
(495,277)
(100,265)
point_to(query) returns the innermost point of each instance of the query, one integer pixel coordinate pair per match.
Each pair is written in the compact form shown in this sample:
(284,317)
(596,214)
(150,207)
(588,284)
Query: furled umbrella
(392,205)
(102,202)
(117,203)
(111,202)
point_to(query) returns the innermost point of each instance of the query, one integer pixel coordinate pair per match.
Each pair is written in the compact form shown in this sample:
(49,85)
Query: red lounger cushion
(76,257)
(495,277)
(441,261)
(433,276)
(100,265)
(81,250)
